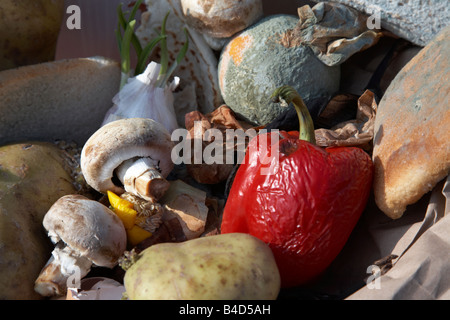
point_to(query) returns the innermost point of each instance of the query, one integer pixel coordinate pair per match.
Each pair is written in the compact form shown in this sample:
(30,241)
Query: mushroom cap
(221,19)
(122,140)
(88,228)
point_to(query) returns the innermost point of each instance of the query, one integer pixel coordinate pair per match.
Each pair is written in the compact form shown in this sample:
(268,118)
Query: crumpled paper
(357,132)
(333,31)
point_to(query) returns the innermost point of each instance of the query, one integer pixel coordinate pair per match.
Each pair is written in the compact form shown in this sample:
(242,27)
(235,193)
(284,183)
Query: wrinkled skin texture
(306,210)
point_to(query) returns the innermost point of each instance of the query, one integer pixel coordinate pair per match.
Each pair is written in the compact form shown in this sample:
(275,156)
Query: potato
(32,177)
(233,266)
(30,30)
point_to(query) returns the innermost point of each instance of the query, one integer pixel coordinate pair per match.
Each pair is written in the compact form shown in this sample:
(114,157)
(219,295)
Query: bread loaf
(412,130)
(59,100)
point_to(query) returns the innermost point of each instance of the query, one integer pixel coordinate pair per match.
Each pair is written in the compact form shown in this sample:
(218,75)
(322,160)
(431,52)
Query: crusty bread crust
(59,100)
(412,142)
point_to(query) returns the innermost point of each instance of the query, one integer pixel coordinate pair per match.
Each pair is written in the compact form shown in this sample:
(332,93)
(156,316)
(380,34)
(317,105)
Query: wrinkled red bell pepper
(307,207)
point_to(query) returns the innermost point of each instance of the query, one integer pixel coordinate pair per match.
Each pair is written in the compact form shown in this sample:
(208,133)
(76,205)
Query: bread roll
(412,137)
(60,100)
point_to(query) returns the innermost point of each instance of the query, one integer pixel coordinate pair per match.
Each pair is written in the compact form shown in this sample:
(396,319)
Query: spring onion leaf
(125,54)
(142,59)
(135,9)
(164,54)
(165,72)
(123,22)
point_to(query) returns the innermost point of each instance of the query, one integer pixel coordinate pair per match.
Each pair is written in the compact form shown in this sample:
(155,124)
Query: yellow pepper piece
(123,209)
(127,215)
(136,234)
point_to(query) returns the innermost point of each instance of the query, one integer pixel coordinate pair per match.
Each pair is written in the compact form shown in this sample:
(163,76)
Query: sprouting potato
(229,266)
(32,177)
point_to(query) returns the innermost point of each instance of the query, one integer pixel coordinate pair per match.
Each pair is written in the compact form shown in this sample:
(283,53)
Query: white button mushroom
(86,233)
(132,155)
(221,19)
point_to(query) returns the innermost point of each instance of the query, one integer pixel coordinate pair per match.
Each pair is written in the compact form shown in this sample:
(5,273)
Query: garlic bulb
(142,97)
(148,94)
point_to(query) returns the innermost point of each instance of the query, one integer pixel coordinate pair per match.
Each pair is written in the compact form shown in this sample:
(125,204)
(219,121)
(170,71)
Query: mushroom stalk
(142,178)
(63,266)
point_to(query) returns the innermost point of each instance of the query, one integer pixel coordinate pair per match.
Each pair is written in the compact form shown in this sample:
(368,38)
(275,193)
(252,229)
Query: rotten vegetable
(265,56)
(130,155)
(85,233)
(304,202)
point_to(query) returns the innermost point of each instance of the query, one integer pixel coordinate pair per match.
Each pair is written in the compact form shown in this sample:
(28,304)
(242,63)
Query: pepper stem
(286,95)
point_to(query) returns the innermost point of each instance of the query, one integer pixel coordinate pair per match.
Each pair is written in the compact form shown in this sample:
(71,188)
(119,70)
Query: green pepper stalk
(286,95)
